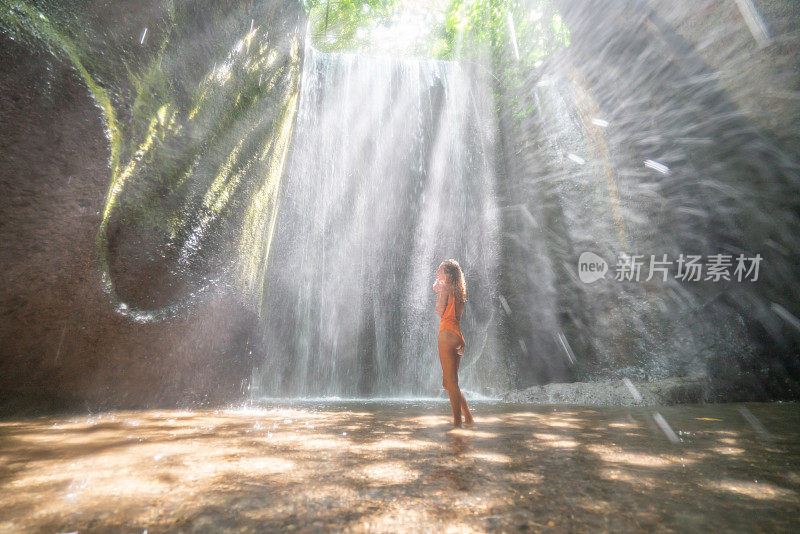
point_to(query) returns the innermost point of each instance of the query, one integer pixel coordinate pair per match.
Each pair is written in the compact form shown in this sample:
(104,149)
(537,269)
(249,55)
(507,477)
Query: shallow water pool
(392,466)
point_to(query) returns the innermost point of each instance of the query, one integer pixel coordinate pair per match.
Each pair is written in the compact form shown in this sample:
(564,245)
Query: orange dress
(450,322)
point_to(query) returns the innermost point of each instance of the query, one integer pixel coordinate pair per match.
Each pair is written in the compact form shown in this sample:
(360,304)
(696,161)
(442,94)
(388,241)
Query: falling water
(293,226)
(391,172)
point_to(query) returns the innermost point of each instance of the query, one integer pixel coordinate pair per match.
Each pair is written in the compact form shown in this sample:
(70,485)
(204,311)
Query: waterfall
(391,171)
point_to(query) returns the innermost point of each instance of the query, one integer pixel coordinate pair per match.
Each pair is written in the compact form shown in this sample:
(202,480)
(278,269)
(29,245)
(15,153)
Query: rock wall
(63,343)
(674,82)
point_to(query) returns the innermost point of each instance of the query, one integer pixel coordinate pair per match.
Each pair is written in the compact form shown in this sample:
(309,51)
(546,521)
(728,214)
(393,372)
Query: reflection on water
(389,466)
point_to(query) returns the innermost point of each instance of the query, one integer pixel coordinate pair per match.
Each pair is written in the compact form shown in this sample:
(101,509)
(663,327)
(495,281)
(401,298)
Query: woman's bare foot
(469,422)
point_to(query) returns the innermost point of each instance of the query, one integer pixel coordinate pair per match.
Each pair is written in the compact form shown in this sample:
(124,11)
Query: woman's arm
(441,301)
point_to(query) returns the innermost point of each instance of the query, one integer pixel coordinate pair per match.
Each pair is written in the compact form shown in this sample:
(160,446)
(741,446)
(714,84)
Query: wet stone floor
(395,467)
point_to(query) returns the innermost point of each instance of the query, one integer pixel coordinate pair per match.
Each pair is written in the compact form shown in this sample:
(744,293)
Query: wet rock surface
(63,346)
(395,467)
(623,392)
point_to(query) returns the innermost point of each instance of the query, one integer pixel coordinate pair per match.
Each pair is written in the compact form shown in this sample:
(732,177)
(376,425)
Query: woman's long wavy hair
(455,278)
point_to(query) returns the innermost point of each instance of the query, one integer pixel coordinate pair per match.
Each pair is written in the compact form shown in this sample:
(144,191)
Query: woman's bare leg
(449,360)
(464,406)
(468,420)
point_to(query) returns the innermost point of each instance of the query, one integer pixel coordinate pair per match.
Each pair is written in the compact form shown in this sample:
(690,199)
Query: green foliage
(511,38)
(343,24)
(446,29)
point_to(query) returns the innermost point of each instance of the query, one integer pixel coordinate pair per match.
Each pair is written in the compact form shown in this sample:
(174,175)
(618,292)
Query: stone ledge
(678,390)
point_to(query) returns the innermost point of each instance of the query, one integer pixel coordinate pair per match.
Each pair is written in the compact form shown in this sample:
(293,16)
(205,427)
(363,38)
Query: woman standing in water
(452,294)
